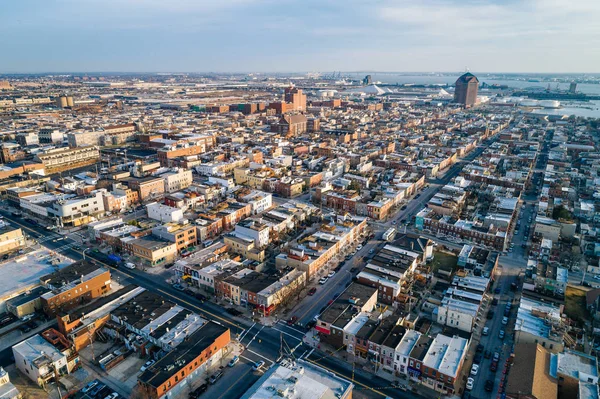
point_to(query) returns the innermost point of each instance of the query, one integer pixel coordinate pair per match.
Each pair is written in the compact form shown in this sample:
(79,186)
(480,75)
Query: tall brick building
(465,91)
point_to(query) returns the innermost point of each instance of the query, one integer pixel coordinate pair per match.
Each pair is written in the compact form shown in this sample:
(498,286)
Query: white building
(7,389)
(164,213)
(259,200)
(39,360)
(77,211)
(177,180)
(299,379)
(459,309)
(403,350)
(253,230)
(446,356)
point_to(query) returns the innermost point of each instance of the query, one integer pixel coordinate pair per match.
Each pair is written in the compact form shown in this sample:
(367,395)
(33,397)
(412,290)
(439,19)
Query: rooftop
(299,380)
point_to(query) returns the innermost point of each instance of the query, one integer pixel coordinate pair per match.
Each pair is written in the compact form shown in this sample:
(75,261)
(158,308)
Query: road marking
(283,323)
(316,303)
(253,338)
(283,332)
(234,384)
(132,277)
(195,307)
(246,332)
(343,376)
(258,354)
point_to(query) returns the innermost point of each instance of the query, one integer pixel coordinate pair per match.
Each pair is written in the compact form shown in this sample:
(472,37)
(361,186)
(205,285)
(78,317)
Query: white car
(130,265)
(485,331)
(147,365)
(470,383)
(359,247)
(474,369)
(323,280)
(331,273)
(258,365)
(597,277)
(505,320)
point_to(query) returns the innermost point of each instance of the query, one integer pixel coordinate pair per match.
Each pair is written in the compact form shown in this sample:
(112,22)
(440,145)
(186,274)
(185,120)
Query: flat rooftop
(299,380)
(25,271)
(188,350)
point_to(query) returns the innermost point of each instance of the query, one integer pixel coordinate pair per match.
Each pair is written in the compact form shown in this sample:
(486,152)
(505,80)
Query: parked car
(330,274)
(353,270)
(188,291)
(470,383)
(90,385)
(178,287)
(474,369)
(113,395)
(486,331)
(233,311)
(258,365)
(96,390)
(215,377)
(359,247)
(130,265)
(195,394)
(505,320)
(490,315)
(233,361)
(323,280)
(487,354)
(494,366)
(147,365)
(489,385)
(312,291)
(496,356)
(200,297)
(477,359)
(501,334)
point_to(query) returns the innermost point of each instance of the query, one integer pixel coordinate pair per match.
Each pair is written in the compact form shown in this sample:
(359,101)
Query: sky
(546,36)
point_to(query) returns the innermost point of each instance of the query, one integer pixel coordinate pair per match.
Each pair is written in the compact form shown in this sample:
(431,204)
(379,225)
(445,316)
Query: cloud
(401,35)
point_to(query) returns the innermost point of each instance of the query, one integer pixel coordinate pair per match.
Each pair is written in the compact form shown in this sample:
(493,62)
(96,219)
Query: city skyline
(267,36)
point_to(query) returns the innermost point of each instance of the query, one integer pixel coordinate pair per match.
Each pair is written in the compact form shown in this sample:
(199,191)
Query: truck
(389,234)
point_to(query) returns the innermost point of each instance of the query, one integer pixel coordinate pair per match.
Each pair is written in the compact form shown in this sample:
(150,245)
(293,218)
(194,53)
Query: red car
(494,366)
(312,291)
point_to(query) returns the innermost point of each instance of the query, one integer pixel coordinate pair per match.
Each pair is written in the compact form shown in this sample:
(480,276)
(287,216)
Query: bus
(389,235)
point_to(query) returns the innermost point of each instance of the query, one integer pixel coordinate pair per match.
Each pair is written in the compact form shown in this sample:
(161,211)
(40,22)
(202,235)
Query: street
(261,342)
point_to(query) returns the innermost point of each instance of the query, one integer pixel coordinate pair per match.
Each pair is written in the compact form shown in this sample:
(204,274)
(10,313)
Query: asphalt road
(261,342)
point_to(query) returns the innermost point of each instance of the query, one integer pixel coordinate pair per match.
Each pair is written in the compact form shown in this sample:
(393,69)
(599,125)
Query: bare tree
(289,293)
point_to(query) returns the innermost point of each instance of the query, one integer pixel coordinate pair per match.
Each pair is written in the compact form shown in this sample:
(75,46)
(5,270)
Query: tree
(354,186)
(560,212)
(289,293)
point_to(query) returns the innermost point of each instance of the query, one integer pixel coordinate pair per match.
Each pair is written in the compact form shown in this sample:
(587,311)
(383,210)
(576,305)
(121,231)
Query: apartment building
(183,235)
(164,213)
(258,200)
(314,251)
(82,139)
(11,239)
(148,188)
(77,211)
(61,159)
(73,286)
(443,363)
(177,180)
(151,251)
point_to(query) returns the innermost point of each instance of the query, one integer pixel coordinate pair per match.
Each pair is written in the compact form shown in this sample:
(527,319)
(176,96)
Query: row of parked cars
(196,393)
(97,390)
